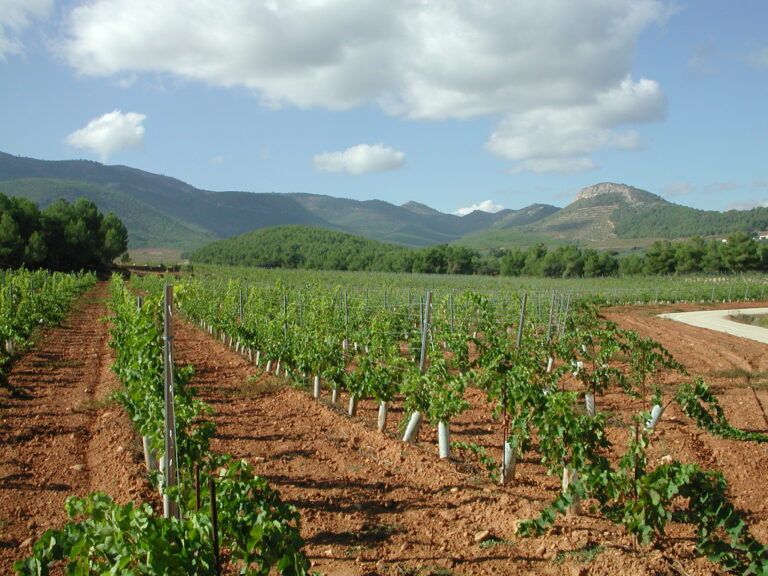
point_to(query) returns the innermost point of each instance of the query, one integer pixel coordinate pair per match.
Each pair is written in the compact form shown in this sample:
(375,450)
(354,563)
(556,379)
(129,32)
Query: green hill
(297,247)
(163,212)
(609,215)
(147,226)
(185,217)
(590,219)
(505,238)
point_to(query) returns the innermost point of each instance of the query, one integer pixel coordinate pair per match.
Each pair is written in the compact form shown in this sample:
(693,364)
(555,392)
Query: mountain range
(163,212)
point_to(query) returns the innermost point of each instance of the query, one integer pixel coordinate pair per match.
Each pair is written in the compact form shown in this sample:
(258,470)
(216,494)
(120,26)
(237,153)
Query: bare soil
(60,433)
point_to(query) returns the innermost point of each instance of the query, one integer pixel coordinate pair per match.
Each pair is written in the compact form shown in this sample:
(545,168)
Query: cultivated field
(373,504)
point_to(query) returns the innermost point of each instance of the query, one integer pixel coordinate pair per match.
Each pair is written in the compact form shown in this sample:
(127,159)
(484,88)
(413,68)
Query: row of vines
(30,300)
(544,370)
(381,288)
(221,503)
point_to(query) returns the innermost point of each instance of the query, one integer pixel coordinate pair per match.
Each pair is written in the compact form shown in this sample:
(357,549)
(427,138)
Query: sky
(458,105)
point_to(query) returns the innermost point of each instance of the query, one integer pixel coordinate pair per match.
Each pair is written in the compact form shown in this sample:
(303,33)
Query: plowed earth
(59,432)
(369,503)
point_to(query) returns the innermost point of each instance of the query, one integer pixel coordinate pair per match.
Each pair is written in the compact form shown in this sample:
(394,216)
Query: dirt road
(720,321)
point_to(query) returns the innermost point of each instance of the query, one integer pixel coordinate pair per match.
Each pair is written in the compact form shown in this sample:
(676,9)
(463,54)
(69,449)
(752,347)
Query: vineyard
(360,424)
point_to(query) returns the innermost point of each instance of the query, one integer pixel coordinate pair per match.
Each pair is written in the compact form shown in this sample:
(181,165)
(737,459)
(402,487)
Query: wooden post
(565,316)
(508,459)
(197,486)
(551,314)
(215,524)
(170,461)
(414,425)
(425,331)
(523,303)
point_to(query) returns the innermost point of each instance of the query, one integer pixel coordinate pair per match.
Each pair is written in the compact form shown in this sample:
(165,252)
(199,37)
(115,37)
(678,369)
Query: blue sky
(451,103)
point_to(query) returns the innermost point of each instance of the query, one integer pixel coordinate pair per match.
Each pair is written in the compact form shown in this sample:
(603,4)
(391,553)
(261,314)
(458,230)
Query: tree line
(64,236)
(737,253)
(312,248)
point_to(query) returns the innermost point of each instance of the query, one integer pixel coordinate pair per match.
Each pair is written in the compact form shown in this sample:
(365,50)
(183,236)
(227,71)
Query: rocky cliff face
(630,194)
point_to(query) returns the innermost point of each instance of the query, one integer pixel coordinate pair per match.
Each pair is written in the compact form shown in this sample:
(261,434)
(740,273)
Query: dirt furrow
(60,433)
(373,505)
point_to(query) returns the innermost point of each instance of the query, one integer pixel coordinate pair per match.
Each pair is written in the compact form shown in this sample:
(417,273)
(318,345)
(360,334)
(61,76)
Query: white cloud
(748,205)
(15,17)
(701,61)
(110,133)
(485,206)
(360,159)
(562,139)
(559,65)
(759,58)
(720,187)
(677,189)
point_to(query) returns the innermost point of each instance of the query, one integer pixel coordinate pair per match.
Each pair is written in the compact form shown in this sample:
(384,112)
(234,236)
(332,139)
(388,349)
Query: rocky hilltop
(629,194)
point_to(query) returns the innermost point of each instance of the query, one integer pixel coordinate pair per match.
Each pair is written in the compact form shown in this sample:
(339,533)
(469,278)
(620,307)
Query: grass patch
(257,387)
(57,364)
(401,570)
(98,404)
(494,542)
(375,533)
(756,379)
(759,320)
(582,555)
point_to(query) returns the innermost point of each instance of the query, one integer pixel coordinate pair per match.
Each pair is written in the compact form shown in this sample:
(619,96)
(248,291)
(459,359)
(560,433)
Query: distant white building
(762,235)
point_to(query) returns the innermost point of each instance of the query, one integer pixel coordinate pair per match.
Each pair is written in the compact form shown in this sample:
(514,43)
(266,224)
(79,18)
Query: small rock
(541,551)
(482,536)
(449,515)
(454,490)
(31,525)
(26,543)
(120,449)
(258,459)
(328,553)
(77,467)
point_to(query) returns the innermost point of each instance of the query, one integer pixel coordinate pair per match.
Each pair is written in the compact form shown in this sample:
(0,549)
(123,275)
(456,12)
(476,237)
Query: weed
(257,387)
(582,555)
(373,533)
(401,570)
(494,542)
(97,404)
(60,363)
(756,379)
(485,460)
